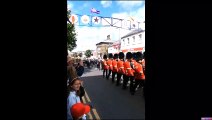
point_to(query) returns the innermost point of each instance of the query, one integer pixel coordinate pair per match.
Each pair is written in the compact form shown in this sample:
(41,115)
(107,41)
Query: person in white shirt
(73,93)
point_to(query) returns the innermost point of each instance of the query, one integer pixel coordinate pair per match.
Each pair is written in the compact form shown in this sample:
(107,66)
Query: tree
(71,35)
(88,53)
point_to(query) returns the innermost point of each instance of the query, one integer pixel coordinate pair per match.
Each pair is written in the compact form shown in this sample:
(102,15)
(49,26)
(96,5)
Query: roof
(105,42)
(133,32)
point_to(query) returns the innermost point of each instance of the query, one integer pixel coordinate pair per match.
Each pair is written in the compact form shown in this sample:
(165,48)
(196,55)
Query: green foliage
(71,34)
(88,53)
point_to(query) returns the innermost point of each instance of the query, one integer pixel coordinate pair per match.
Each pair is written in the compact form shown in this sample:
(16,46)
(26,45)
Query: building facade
(102,47)
(115,47)
(133,41)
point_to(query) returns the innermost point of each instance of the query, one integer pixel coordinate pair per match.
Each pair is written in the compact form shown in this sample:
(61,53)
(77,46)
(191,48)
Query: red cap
(79,109)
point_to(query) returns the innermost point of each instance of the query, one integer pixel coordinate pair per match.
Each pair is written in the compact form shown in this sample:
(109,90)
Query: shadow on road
(111,101)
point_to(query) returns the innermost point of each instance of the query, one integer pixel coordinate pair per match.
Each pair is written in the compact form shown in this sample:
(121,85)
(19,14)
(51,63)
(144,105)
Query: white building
(133,41)
(115,47)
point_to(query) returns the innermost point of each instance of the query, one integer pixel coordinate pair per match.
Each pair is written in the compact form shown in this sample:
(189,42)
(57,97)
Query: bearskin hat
(121,55)
(115,56)
(129,55)
(105,57)
(110,55)
(134,56)
(143,55)
(139,55)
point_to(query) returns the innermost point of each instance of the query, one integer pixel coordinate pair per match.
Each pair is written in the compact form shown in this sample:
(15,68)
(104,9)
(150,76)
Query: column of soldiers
(130,68)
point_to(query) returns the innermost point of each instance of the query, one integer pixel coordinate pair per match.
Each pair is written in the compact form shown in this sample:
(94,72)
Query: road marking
(96,115)
(86,95)
(89,114)
(83,99)
(90,117)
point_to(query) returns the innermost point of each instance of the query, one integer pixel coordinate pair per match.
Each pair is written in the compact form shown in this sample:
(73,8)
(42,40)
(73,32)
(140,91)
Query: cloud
(122,15)
(86,4)
(129,5)
(138,14)
(106,4)
(69,5)
(88,37)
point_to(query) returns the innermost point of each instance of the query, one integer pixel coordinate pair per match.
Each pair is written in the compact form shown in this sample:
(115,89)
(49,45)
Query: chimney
(108,37)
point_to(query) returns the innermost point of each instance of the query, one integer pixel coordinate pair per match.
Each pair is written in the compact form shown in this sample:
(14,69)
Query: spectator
(80,68)
(74,92)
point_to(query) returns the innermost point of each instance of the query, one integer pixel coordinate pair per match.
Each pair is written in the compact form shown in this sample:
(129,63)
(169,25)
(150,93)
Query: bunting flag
(93,10)
(73,19)
(131,19)
(116,22)
(96,20)
(106,21)
(85,19)
(134,25)
(126,24)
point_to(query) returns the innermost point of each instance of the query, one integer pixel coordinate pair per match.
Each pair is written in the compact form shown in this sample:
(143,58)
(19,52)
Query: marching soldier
(120,66)
(114,64)
(109,63)
(139,73)
(104,65)
(129,72)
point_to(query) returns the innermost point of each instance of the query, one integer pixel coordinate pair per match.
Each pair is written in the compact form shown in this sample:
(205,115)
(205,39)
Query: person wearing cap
(74,92)
(104,65)
(120,66)
(129,72)
(114,64)
(109,63)
(78,110)
(139,74)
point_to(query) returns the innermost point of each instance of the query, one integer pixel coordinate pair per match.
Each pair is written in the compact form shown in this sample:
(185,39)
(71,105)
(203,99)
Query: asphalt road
(111,101)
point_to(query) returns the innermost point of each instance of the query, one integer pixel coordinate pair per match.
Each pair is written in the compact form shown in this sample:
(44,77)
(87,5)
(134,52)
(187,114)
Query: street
(111,101)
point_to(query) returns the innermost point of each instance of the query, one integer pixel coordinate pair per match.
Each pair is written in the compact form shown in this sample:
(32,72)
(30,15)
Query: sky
(88,37)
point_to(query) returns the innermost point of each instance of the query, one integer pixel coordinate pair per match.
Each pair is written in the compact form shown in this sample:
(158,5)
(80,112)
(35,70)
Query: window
(123,41)
(140,36)
(128,40)
(133,38)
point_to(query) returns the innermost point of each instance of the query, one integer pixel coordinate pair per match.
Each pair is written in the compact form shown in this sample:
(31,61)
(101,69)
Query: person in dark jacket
(80,68)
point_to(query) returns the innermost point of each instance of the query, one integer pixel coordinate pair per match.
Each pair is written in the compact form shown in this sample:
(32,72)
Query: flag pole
(91,15)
